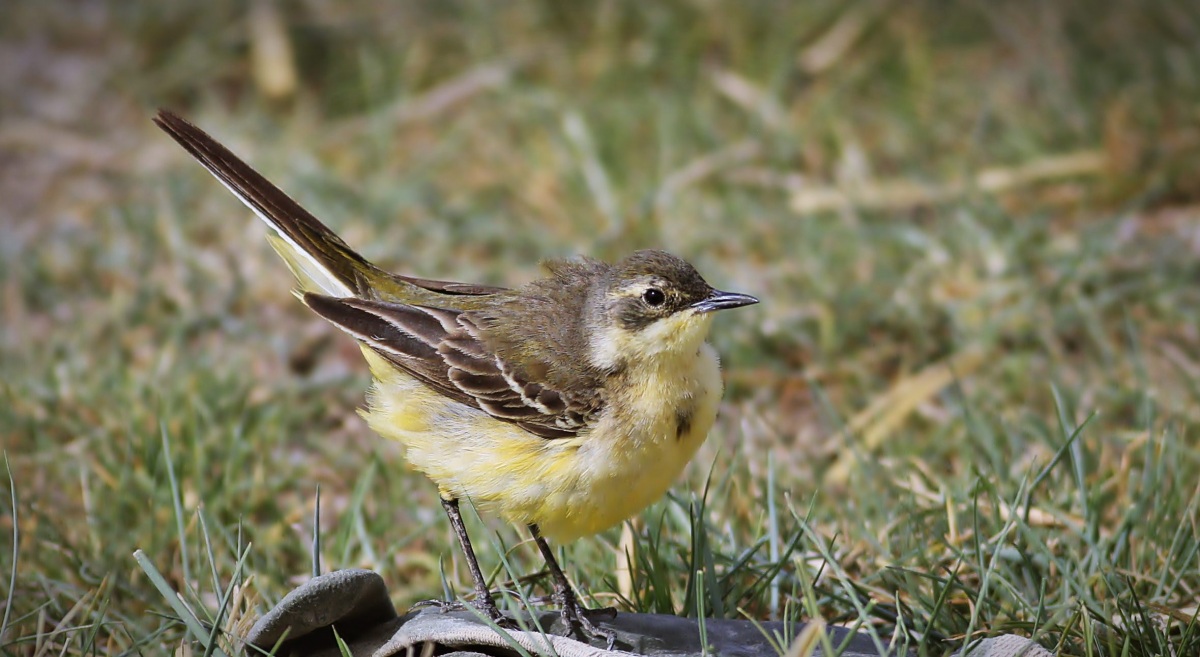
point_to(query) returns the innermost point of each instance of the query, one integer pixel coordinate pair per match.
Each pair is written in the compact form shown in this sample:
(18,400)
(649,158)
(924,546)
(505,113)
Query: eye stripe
(633,315)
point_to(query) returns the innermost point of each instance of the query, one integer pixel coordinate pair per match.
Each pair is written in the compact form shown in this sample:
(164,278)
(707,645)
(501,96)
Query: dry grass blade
(703,167)
(434,102)
(1035,517)
(626,560)
(877,421)
(271,56)
(829,49)
(598,182)
(808,641)
(64,626)
(902,194)
(750,97)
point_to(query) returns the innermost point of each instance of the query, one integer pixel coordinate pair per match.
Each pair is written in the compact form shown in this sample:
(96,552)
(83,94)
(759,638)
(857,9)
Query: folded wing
(447,350)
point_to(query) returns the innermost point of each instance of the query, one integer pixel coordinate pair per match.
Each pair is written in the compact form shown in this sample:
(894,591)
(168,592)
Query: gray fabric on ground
(1008,645)
(355,605)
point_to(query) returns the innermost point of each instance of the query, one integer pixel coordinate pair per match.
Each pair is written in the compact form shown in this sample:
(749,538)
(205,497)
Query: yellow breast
(569,487)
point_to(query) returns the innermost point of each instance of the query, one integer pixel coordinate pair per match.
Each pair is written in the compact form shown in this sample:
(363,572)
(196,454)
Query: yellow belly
(569,487)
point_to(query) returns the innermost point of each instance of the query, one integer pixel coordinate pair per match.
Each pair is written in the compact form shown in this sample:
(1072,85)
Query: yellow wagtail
(566,405)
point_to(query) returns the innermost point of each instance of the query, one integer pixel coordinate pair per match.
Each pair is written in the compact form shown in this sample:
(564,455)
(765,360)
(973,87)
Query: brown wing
(449,287)
(445,350)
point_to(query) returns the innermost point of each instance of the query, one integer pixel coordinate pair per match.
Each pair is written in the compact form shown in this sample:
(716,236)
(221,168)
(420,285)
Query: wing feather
(446,349)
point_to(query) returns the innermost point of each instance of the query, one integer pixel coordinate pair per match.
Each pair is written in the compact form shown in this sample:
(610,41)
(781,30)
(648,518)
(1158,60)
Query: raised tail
(321,261)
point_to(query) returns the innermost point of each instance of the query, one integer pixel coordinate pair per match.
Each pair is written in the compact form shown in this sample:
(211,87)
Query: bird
(566,405)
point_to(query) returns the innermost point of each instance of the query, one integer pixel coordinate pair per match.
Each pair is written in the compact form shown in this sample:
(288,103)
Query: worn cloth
(353,606)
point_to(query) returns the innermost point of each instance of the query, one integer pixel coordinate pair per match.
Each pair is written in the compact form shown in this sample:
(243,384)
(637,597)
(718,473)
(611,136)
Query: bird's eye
(654,296)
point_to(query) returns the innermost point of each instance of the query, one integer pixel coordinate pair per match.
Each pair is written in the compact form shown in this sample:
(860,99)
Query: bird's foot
(444,606)
(578,619)
(485,606)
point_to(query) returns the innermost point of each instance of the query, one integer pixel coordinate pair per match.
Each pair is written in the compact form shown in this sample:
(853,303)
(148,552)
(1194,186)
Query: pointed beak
(719,300)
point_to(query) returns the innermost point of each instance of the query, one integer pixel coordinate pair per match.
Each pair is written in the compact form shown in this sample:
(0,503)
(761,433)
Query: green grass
(956,414)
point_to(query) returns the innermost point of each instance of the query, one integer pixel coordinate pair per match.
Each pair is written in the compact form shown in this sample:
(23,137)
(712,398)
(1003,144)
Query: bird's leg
(572,612)
(483,596)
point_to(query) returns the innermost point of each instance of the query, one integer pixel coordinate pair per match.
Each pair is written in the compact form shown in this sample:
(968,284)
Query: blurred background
(974,227)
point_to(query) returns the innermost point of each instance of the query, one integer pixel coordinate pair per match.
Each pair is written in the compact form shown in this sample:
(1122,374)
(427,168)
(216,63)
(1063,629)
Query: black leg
(483,596)
(572,612)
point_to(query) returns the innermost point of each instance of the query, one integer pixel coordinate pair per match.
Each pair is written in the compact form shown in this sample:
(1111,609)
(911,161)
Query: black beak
(719,300)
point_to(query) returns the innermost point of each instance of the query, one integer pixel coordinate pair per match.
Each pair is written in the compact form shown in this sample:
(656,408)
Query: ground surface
(967,405)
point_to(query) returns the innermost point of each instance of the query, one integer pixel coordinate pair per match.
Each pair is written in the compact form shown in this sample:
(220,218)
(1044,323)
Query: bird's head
(653,305)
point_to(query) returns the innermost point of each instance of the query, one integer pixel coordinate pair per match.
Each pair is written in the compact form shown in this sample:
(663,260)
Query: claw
(574,615)
(486,606)
(578,619)
(444,606)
